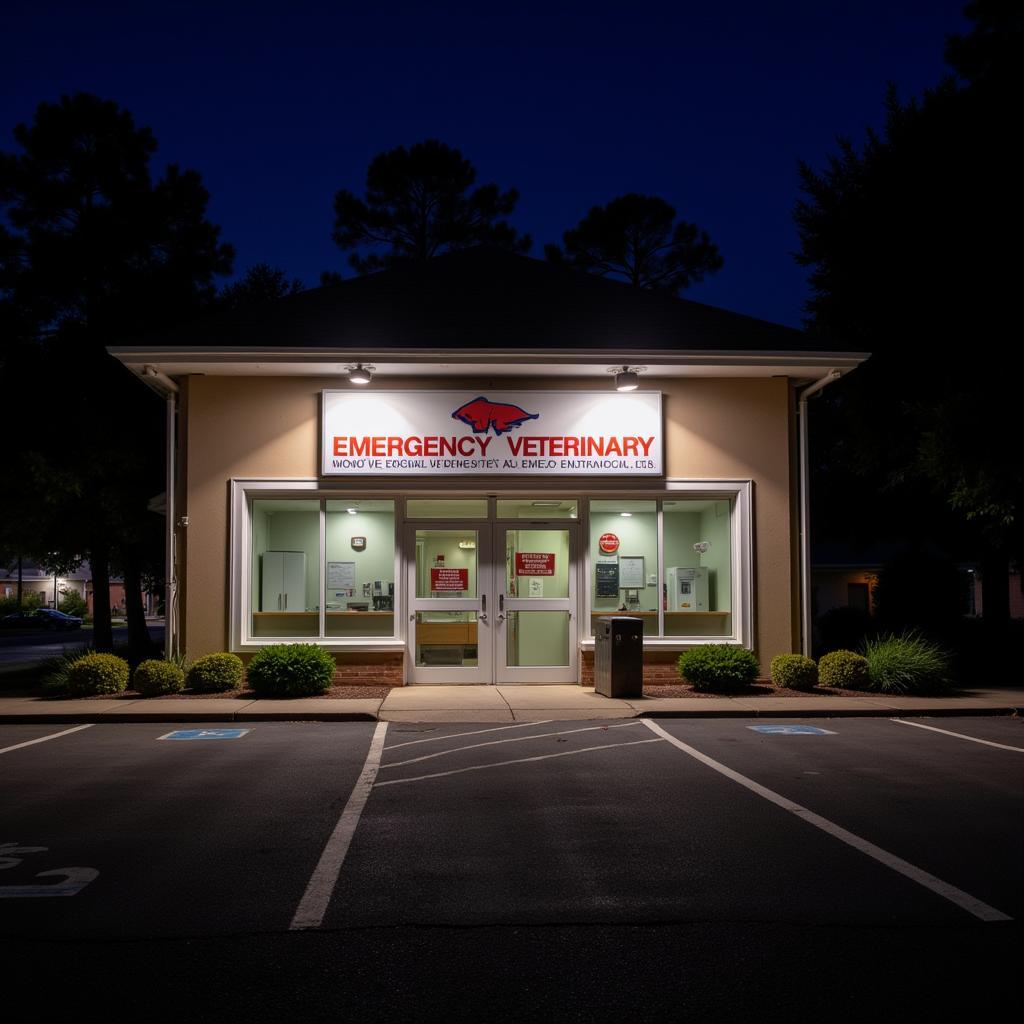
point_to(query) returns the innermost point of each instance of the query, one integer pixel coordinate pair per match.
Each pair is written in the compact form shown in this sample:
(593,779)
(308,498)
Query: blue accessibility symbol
(205,734)
(792,730)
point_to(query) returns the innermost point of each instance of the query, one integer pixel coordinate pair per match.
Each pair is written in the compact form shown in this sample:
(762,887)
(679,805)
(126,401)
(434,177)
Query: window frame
(738,492)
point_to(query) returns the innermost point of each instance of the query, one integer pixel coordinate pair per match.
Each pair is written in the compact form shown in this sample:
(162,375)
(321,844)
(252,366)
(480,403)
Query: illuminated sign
(608,543)
(497,433)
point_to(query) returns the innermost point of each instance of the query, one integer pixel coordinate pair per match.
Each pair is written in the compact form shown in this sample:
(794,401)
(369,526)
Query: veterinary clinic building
(433,473)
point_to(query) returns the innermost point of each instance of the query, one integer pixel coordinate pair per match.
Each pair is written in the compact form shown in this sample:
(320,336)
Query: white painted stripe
(958,735)
(459,735)
(520,760)
(512,739)
(43,739)
(915,874)
(313,905)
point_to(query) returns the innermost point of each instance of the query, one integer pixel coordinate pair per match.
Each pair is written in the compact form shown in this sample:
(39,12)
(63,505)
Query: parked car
(41,618)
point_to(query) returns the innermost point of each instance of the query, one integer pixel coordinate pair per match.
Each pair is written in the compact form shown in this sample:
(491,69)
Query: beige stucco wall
(268,427)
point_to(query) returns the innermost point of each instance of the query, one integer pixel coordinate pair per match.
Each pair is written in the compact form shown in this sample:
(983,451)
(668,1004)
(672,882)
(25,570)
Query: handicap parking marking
(792,730)
(204,734)
(74,879)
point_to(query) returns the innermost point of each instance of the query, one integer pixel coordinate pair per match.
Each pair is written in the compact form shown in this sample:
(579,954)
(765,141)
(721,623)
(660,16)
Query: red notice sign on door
(535,563)
(449,579)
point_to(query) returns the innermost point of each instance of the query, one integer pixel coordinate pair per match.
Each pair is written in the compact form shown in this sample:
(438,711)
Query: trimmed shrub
(794,672)
(845,670)
(153,678)
(291,670)
(907,664)
(97,673)
(215,673)
(718,668)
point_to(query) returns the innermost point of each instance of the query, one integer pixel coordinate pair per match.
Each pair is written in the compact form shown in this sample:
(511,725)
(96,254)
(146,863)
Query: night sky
(708,105)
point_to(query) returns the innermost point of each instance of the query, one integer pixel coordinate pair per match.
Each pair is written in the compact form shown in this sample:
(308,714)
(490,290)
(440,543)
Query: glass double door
(491,603)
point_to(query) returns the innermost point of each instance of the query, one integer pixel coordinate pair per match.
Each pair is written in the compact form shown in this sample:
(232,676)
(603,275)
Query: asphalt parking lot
(527,845)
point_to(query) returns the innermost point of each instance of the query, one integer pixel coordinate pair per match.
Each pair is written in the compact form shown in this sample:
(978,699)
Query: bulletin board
(631,571)
(607,579)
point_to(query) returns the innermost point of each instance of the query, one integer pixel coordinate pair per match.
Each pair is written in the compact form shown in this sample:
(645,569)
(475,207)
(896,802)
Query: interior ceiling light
(467,545)
(627,378)
(360,374)
(546,504)
(625,515)
(351,511)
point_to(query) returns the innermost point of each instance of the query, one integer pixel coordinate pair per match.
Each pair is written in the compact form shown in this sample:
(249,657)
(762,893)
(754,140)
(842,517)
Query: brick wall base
(659,668)
(382,668)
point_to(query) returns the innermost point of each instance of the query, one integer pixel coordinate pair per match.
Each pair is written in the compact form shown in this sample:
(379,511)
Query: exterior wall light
(360,374)
(627,378)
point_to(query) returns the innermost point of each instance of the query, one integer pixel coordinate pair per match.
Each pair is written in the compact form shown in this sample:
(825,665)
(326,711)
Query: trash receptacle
(619,656)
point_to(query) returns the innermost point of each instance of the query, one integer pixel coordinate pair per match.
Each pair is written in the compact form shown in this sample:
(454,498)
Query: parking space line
(313,905)
(962,899)
(43,739)
(475,732)
(511,739)
(519,760)
(958,735)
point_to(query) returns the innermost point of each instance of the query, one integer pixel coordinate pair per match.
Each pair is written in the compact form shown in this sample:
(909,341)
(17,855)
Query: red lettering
(646,442)
(339,446)
(484,442)
(359,446)
(466,445)
(629,445)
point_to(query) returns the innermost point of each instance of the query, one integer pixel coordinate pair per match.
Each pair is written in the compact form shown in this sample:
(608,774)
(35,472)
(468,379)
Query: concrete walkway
(502,704)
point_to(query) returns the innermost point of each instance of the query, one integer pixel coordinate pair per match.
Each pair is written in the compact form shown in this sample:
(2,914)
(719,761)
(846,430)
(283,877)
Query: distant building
(36,580)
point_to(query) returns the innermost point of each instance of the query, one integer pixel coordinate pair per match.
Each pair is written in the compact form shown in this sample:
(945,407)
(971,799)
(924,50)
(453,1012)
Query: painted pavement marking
(519,760)
(313,905)
(950,892)
(204,734)
(459,735)
(946,732)
(513,739)
(75,879)
(43,739)
(792,730)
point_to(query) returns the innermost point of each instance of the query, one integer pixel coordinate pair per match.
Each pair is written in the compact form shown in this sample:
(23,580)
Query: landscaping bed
(334,693)
(757,689)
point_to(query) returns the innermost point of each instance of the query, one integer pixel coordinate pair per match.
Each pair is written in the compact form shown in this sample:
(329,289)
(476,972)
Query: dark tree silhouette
(419,203)
(904,238)
(639,239)
(260,283)
(94,251)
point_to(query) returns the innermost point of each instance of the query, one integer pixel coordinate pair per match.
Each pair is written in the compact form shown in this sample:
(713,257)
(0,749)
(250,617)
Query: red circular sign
(608,543)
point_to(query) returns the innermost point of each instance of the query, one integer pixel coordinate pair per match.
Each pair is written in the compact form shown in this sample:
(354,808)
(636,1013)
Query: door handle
(501,603)
(483,607)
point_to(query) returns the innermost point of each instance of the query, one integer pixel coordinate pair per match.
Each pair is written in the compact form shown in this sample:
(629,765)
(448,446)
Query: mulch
(754,690)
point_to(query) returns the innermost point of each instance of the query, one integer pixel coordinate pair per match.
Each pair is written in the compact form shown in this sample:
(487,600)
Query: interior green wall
(375,562)
(638,535)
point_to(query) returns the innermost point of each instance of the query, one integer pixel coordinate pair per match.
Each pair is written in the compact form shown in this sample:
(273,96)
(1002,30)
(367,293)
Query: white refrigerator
(284,581)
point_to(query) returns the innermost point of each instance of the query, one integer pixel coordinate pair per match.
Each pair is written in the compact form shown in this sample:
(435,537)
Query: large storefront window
(697,567)
(353,581)
(624,561)
(360,591)
(680,586)
(285,568)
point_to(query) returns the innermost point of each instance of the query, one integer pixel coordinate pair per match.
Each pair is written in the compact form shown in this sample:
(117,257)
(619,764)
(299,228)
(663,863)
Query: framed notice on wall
(341,575)
(631,571)
(606,583)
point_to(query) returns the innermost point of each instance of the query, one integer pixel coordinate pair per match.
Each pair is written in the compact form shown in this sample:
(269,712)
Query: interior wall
(638,535)
(375,562)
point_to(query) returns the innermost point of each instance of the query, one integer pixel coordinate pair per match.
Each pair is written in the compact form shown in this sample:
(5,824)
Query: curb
(362,716)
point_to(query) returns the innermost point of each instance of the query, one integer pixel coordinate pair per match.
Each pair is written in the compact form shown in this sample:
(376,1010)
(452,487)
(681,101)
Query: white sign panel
(493,433)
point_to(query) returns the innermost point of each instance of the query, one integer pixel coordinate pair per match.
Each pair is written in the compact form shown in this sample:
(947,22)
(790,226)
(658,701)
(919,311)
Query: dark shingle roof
(484,298)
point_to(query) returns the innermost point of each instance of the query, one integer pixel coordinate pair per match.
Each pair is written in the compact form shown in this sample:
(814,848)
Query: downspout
(803,483)
(170,389)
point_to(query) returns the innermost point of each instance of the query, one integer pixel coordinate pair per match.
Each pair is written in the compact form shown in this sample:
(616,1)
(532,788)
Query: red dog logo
(482,413)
